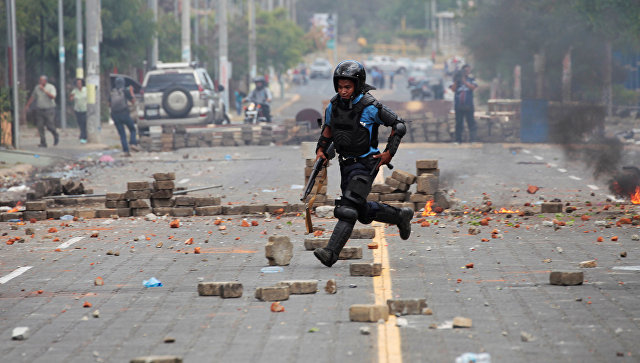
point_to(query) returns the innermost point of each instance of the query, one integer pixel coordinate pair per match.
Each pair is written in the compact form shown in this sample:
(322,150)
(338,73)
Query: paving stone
(426,164)
(403,177)
(381,188)
(137,194)
(256,208)
(139,203)
(163,194)
(230,290)
(395,184)
(365,269)
(273,293)
(36,205)
(312,243)
(368,313)
(157,359)
(163,211)
(234,210)
(164,176)
(206,201)
(123,212)
(427,184)
(116,204)
(279,250)
(350,253)
(421,198)
(299,287)
(5,217)
(407,306)
(331,287)
(395,197)
(141,212)
(39,215)
(551,207)
(164,185)
(213,210)
(566,278)
(138,185)
(363,233)
(373,197)
(96,213)
(181,212)
(161,203)
(435,171)
(114,196)
(461,322)
(54,213)
(184,201)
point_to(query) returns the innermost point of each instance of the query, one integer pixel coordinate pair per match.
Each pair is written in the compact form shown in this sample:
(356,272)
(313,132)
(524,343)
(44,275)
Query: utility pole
(253,61)
(186,31)
(196,26)
(153,4)
(14,78)
(434,9)
(223,48)
(92,12)
(79,65)
(7,79)
(62,86)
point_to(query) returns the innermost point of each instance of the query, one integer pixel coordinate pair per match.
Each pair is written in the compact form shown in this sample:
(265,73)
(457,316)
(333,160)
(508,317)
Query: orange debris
(174,223)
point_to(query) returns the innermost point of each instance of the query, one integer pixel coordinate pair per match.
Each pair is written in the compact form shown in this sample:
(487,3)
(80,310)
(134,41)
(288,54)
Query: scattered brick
(299,287)
(279,250)
(461,322)
(365,269)
(407,306)
(368,313)
(350,253)
(565,278)
(273,293)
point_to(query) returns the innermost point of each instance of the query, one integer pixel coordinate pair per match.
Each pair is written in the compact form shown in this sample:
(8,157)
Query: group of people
(43,98)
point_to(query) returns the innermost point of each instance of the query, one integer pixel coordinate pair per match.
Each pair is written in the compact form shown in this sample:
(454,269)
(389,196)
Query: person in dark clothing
(118,99)
(351,122)
(463,87)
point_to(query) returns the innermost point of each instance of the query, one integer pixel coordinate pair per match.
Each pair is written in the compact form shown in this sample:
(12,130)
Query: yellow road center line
(389,343)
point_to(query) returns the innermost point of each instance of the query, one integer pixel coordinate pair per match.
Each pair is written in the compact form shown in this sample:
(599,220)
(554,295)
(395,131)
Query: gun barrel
(312,178)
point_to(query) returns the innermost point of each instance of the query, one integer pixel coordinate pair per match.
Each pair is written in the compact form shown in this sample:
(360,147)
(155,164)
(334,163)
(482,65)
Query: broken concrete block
(427,184)
(442,199)
(213,210)
(279,250)
(36,205)
(20,333)
(299,287)
(551,207)
(565,278)
(231,290)
(182,212)
(324,211)
(38,215)
(138,185)
(426,164)
(407,306)
(403,177)
(350,253)
(273,293)
(363,233)
(311,244)
(368,313)
(588,264)
(164,176)
(331,287)
(365,269)
(461,322)
(157,359)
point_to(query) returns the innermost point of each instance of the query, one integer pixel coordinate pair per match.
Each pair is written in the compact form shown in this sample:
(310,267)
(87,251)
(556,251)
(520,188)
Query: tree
(280,42)
(419,36)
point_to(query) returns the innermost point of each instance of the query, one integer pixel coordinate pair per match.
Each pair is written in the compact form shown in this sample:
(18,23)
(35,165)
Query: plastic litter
(66,217)
(227,157)
(14,220)
(152,282)
(271,269)
(106,159)
(474,358)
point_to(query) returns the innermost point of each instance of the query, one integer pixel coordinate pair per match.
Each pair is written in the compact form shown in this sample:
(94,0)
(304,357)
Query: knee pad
(346,213)
(358,189)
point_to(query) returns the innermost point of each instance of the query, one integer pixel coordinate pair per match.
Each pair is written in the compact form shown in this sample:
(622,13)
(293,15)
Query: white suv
(180,94)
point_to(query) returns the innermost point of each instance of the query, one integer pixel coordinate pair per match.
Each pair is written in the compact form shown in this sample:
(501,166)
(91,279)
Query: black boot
(341,233)
(398,216)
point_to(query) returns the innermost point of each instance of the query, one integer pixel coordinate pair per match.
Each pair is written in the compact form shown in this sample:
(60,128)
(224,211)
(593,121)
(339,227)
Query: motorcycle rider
(261,95)
(351,122)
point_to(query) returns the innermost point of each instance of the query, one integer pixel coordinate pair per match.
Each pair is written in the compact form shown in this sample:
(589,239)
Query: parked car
(321,68)
(404,64)
(422,64)
(180,94)
(384,63)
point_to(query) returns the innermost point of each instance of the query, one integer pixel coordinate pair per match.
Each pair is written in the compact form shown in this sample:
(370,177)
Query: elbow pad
(394,140)
(388,117)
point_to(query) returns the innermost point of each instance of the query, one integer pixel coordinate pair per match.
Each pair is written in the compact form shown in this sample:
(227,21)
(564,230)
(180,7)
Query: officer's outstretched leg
(347,216)
(398,216)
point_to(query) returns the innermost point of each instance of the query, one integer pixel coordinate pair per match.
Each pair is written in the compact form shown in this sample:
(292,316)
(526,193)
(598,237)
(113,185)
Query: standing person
(351,122)
(261,95)
(45,96)
(79,98)
(239,96)
(120,114)
(463,86)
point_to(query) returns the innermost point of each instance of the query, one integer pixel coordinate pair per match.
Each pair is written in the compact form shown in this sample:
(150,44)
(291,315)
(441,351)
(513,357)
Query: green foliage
(418,36)
(169,40)
(280,42)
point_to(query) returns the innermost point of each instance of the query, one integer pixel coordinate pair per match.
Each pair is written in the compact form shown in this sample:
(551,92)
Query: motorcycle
(254,113)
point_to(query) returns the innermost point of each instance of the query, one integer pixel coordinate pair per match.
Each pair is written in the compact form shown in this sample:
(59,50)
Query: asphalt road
(506,293)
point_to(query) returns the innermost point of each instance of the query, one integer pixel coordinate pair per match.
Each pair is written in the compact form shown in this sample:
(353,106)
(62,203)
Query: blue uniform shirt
(368,119)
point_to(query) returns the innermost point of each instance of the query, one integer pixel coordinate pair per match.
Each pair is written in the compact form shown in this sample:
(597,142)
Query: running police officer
(351,122)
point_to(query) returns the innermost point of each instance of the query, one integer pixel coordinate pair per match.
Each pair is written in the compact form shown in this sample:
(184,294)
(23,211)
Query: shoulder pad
(368,99)
(334,98)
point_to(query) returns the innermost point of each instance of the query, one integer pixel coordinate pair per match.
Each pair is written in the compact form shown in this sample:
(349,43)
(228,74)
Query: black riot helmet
(353,70)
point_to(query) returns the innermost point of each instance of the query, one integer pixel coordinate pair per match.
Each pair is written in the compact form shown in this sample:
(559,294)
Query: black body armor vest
(349,136)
